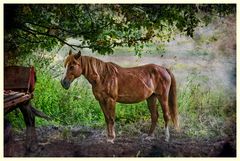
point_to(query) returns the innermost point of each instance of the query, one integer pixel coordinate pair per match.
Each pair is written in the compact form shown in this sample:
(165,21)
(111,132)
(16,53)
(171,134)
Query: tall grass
(66,107)
(203,109)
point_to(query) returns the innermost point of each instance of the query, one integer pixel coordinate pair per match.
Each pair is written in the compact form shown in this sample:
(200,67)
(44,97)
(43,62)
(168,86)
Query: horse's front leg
(108,108)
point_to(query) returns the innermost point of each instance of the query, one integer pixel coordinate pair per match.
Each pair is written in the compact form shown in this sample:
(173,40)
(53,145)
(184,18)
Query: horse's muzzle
(65,84)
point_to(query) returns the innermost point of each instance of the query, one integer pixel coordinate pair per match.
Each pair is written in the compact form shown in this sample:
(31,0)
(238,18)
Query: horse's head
(72,69)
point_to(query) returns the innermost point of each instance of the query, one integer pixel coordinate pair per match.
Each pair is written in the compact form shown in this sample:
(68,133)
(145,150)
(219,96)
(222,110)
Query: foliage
(101,27)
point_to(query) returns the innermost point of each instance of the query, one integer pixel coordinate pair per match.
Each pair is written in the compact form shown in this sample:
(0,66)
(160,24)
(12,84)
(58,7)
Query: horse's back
(148,70)
(136,84)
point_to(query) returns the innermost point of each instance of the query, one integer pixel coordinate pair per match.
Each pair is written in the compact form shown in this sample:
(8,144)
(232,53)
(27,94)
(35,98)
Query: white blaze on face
(65,72)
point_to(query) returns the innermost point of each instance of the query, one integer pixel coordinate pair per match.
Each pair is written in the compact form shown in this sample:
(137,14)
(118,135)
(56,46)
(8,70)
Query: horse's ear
(77,55)
(70,52)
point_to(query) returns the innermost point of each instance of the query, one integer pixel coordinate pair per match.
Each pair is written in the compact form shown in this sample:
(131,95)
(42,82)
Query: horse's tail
(172,101)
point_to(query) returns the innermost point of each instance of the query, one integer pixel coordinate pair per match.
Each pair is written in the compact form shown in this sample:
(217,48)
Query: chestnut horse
(112,83)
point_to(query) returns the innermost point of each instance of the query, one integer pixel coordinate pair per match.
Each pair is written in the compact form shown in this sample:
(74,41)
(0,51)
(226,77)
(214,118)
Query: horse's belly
(134,95)
(135,86)
(129,100)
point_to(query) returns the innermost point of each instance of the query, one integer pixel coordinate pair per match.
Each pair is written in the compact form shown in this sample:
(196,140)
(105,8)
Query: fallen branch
(40,114)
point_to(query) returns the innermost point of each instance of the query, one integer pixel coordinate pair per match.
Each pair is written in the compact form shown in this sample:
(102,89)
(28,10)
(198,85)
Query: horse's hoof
(110,141)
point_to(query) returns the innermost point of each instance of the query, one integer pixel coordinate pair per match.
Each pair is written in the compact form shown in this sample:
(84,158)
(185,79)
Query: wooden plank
(12,96)
(19,78)
(10,104)
(9,92)
(16,77)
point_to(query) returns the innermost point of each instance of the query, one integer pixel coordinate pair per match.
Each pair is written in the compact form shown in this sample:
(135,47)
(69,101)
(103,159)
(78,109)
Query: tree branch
(28,40)
(35,32)
(58,28)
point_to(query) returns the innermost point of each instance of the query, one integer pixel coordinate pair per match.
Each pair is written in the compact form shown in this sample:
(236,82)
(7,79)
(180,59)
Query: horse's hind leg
(152,105)
(166,115)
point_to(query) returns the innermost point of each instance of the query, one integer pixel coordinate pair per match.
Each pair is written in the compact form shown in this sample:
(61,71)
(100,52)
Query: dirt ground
(88,142)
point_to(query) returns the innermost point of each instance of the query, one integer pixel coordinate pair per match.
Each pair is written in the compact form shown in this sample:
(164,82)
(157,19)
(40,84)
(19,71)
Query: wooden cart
(19,83)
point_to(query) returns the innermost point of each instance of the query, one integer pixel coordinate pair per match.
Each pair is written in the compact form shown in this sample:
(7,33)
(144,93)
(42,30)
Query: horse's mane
(68,59)
(98,67)
(94,66)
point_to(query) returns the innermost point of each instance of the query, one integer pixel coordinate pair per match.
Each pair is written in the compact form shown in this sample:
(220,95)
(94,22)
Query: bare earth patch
(86,142)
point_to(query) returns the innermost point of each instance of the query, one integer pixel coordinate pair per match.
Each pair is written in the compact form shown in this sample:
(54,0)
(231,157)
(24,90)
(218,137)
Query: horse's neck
(95,70)
(91,68)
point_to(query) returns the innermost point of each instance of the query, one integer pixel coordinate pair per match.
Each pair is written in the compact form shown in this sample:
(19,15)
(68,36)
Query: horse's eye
(71,67)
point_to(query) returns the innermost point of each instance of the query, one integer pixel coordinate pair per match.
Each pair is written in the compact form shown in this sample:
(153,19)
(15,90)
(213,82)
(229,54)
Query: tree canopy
(101,27)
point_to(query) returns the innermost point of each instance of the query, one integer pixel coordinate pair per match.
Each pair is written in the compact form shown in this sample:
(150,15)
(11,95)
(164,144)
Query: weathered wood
(10,104)
(19,85)
(19,78)
(40,114)
(8,97)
